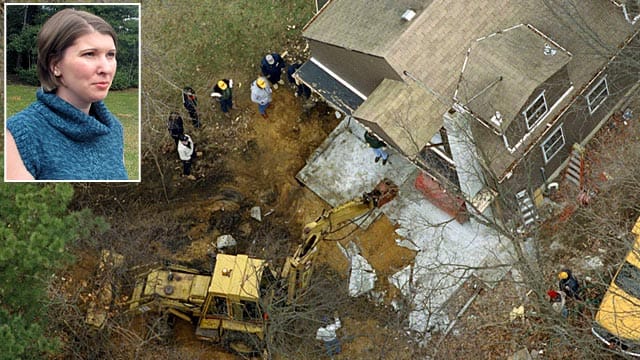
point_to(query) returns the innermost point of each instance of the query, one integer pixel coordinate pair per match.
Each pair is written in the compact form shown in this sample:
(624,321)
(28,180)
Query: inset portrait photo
(72,92)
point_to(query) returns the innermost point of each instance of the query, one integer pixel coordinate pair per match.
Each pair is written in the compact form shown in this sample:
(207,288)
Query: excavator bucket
(385,191)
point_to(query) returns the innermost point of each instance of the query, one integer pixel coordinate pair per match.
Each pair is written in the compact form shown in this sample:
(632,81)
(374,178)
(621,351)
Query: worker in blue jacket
(568,283)
(271,66)
(301,88)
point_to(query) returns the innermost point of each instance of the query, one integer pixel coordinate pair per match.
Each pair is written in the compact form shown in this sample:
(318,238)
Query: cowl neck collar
(74,123)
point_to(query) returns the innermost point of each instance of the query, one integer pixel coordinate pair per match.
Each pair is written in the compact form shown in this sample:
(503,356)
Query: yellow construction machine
(229,305)
(297,269)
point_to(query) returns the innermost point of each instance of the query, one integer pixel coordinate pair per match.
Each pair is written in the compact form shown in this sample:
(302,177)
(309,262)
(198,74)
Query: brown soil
(258,159)
(255,159)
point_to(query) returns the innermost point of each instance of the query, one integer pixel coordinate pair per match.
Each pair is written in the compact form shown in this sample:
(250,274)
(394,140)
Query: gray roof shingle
(433,47)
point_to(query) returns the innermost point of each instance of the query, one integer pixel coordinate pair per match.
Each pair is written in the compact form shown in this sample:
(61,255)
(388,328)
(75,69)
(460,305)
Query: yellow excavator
(229,304)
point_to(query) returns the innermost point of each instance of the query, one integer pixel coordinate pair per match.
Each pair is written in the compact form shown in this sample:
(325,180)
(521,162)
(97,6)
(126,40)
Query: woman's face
(86,70)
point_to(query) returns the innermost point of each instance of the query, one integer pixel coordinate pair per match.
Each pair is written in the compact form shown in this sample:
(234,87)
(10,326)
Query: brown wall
(577,123)
(363,71)
(553,89)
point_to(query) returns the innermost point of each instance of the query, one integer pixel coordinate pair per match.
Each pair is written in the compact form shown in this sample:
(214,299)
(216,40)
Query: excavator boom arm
(297,268)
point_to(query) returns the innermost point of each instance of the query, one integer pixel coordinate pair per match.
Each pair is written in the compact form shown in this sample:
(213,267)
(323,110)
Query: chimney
(408,15)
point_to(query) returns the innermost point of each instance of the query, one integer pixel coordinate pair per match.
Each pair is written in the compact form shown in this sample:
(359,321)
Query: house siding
(577,123)
(362,71)
(553,89)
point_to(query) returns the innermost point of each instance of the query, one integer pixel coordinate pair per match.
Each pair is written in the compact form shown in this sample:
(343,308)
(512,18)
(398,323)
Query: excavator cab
(234,301)
(226,306)
(229,305)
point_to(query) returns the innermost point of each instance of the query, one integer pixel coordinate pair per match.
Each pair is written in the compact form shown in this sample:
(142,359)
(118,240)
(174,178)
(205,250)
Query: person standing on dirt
(558,300)
(378,147)
(222,93)
(327,333)
(190,102)
(186,151)
(261,94)
(568,283)
(175,126)
(301,88)
(271,66)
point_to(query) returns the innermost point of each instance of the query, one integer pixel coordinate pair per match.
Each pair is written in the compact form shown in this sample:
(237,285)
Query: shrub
(124,79)
(28,76)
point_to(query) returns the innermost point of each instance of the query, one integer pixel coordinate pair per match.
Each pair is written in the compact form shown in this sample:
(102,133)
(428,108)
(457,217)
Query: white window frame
(536,111)
(548,157)
(594,101)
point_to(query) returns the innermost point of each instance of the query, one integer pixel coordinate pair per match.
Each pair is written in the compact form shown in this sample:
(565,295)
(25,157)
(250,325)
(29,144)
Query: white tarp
(362,278)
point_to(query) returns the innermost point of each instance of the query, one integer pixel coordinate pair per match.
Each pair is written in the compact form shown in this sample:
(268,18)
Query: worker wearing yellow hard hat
(568,283)
(223,94)
(261,94)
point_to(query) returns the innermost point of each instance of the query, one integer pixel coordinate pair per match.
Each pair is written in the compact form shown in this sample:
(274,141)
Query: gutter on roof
(313,18)
(464,67)
(338,78)
(625,12)
(463,109)
(498,32)
(541,34)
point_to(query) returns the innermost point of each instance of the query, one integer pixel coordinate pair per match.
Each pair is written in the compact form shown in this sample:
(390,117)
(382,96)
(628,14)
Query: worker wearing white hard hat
(271,66)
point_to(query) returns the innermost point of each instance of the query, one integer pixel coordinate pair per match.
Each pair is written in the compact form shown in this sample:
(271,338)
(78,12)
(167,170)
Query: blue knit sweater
(57,141)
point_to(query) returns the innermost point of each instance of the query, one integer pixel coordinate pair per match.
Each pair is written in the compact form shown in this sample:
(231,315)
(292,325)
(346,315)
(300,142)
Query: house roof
(434,49)
(370,27)
(332,90)
(434,44)
(503,69)
(402,110)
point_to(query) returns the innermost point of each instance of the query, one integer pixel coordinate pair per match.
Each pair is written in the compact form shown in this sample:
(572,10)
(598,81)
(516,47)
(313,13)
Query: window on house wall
(535,111)
(597,95)
(552,144)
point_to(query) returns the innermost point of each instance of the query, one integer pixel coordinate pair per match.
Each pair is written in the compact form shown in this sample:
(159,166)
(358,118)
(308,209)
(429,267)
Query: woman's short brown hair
(61,32)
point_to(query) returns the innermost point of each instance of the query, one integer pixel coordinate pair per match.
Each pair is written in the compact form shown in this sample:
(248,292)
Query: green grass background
(199,43)
(123,104)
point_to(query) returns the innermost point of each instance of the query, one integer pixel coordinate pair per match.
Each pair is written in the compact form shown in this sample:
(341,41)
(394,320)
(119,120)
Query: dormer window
(535,111)
(597,95)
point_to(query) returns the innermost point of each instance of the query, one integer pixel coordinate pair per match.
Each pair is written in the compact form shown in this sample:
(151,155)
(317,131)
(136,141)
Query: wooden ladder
(526,207)
(575,171)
